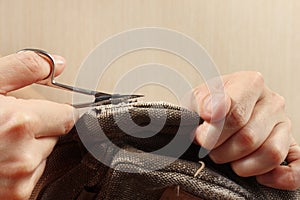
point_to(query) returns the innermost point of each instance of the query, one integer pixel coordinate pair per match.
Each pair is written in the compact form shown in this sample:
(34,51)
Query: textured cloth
(73,173)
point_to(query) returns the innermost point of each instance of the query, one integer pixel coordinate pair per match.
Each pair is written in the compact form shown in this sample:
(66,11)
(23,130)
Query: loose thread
(177,190)
(200,168)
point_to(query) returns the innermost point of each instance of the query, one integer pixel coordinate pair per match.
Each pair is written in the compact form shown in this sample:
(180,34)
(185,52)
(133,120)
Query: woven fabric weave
(73,173)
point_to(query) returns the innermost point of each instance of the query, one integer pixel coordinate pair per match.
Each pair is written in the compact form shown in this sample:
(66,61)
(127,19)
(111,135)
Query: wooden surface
(262,35)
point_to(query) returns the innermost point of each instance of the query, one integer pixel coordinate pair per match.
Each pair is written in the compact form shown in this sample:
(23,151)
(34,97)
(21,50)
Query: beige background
(262,35)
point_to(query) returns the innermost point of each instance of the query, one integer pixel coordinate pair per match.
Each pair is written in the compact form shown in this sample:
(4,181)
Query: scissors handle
(48,57)
(99,96)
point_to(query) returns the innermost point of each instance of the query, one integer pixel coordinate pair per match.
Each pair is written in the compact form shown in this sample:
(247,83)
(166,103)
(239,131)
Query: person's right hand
(28,128)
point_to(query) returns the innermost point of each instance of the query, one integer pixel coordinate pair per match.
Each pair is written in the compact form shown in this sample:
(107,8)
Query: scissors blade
(104,99)
(103,96)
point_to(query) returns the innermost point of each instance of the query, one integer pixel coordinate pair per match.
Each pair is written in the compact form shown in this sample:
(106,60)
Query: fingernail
(201,133)
(59,60)
(207,135)
(207,104)
(212,102)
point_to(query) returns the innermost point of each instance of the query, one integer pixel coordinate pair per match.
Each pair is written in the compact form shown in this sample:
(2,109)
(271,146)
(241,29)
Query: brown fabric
(174,193)
(73,173)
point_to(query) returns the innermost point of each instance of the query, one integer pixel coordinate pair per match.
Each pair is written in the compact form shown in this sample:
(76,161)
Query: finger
(36,118)
(24,68)
(30,153)
(22,171)
(284,177)
(266,114)
(53,119)
(23,187)
(245,89)
(269,155)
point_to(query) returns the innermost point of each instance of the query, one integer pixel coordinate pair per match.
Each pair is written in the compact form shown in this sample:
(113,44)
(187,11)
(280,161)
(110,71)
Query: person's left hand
(256,137)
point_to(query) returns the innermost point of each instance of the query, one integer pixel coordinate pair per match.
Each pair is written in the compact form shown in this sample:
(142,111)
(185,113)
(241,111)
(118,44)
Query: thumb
(211,106)
(24,68)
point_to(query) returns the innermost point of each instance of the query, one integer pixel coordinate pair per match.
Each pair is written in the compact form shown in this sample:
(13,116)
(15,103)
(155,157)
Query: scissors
(100,97)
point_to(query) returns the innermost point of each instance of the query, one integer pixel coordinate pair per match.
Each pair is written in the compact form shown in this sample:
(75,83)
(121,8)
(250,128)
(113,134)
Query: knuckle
(246,138)
(278,100)
(237,117)
(235,166)
(258,79)
(22,166)
(26,164)
(275,155)
(22,123)
(289,124)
